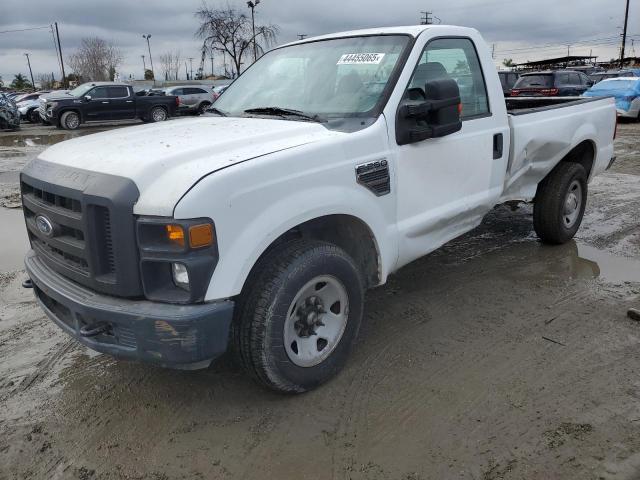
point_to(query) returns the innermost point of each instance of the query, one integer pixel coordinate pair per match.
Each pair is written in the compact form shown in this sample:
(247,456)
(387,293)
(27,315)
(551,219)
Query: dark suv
(508,80)
(559,83)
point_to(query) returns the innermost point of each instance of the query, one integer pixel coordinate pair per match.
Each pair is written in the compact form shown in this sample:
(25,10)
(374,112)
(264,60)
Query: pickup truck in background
(103,101)
(326,166)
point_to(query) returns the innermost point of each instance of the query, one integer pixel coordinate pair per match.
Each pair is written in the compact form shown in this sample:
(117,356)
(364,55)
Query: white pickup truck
(328,165)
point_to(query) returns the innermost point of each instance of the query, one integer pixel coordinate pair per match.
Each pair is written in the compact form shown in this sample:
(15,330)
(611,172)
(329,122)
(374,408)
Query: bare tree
(170,62)
(229,31)
(95,59)
(46,81)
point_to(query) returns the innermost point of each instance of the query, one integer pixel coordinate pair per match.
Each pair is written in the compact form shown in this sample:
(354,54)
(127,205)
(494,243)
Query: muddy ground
(494,358)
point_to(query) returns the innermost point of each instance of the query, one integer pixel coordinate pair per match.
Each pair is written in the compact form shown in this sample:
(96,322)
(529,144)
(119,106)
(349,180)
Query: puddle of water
(613,268)
(13,239)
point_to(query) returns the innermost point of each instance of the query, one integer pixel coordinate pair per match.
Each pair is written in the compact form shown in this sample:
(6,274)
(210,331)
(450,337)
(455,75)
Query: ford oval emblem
(44,225)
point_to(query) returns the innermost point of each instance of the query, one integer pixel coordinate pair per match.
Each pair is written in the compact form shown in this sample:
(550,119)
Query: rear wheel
(158,114)
(298,316)
(560,202)
(70,120)
(203,107)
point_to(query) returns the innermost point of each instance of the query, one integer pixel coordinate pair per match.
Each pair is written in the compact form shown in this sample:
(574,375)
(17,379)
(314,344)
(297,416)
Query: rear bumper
(175,336)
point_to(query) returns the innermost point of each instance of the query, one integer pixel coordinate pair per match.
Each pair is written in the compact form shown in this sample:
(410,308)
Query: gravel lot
(494,358)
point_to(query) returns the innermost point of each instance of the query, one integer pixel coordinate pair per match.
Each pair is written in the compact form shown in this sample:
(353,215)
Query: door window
(574,79)
(118,92)
(99,92)
(457,59)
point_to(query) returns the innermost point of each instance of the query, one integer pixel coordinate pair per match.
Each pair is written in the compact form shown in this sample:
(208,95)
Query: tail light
(177,101)
(515,93)
(549,92)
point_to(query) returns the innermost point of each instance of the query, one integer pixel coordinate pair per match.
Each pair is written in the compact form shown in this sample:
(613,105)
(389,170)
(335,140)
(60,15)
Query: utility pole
(186,72)
(302,36)
(191,63)
(426,18)
(212,74)
(33,84)
(148,36)
(624,35)
(252,5)
(144,65)
(493,51)
(64,77)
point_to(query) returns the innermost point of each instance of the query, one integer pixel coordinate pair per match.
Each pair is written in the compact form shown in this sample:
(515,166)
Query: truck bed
(544,130)
(525,105)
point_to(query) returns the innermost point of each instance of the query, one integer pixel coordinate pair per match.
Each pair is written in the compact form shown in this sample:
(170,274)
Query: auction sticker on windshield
(361,59)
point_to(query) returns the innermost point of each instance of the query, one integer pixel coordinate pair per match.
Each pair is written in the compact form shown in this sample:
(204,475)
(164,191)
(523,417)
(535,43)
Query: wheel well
(349,233)
(584,153)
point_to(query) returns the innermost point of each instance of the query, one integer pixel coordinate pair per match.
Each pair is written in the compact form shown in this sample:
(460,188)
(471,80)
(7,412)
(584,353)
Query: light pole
(33,84)
(144,66)
(147,37)
(191,67)
(252,5)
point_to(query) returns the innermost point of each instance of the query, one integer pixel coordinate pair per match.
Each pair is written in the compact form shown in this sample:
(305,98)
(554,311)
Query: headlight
(177,258)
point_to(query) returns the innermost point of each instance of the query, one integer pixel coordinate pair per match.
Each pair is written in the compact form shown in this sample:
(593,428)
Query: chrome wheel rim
(316,320)
(572,204)
(73,121)
(158,115)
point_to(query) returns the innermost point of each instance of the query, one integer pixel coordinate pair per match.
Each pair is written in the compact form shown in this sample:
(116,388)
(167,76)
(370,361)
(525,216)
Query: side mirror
(87,98)
(590,83)
(437,116)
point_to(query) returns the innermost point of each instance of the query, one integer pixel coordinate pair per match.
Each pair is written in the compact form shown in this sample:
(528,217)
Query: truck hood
(166,159)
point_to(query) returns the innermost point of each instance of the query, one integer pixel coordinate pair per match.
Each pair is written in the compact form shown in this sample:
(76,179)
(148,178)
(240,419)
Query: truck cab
(326,166)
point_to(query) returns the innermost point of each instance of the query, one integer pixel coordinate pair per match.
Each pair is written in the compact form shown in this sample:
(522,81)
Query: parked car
(261,227)
(28,106)
(192,99)
(103,101)
(508,80)
(9,115)
(217,91)
(626,91)
(598,77)
(558,83)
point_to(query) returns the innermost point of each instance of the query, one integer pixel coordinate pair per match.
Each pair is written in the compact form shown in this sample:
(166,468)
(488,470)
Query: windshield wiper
(284,112)
(216,111)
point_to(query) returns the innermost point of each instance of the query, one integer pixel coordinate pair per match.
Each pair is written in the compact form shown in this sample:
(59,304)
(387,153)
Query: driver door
(446,185)
(98,108)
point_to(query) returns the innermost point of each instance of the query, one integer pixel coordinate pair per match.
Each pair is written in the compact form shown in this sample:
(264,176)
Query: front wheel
(158,114)
(34,116)
(203,107)
(299,315)
(70,120)
(560,202)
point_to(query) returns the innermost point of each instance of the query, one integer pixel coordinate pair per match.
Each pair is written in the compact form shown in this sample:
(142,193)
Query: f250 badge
(44,225)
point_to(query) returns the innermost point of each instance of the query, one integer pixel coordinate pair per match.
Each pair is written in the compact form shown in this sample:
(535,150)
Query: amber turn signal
(200,235)
(175,234)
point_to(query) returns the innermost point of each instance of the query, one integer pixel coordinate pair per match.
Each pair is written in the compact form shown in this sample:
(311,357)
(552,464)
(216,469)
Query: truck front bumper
(175,336)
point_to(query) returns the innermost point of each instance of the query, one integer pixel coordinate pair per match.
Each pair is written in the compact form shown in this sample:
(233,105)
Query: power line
(25,29)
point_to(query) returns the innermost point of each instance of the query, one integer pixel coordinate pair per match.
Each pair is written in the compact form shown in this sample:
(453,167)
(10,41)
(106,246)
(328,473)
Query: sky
(519,29)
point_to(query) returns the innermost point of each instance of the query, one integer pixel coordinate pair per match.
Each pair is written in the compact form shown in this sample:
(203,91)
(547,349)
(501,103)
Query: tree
(20,82)
(1,82)
(95,59)
(46,81)
(228,31)
(508,62)
(170,62)
(148,74)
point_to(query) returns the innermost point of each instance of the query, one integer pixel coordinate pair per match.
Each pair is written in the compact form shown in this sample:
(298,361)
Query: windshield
(330,78)
(534,81)
(81,90)
(615,85)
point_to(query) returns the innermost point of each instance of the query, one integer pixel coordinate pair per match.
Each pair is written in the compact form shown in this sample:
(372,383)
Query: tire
(202,108)
(265,337)
(34,116)
(70,120)
(157,114)
(560,202)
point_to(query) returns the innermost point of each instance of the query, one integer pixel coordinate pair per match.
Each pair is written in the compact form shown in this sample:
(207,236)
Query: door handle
(129,101)
(105,102)
(498,146)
